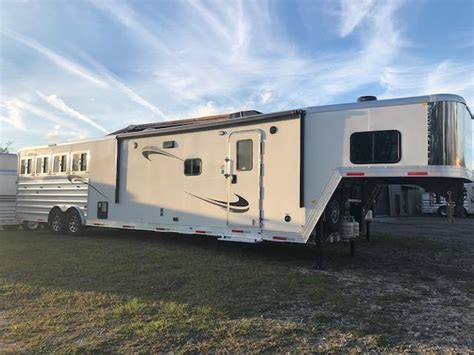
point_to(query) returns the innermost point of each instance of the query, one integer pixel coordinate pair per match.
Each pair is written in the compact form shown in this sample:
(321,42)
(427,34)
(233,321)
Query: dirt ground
(411,288)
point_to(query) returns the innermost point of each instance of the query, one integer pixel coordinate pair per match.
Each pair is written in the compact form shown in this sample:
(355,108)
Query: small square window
(84,162)
(79,162)
(39,163)
(192,167)
(42,165)
(26,167)
(60,163)
(361,148)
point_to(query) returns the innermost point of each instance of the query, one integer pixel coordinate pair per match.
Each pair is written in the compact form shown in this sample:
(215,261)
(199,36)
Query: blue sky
(77,69)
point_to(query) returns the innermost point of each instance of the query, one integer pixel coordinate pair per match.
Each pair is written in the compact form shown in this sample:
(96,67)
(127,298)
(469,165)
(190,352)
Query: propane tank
(347,228)
(356,226)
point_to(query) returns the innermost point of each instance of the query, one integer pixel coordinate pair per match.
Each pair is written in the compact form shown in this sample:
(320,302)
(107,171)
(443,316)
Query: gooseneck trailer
(248,176)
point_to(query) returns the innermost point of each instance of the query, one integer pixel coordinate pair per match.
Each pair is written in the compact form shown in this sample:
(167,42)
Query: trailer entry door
(243,179)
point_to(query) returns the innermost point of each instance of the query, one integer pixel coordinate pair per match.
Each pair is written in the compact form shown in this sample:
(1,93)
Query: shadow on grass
(145,279)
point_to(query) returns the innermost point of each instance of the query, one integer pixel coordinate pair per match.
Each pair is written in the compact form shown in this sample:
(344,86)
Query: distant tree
(7,147)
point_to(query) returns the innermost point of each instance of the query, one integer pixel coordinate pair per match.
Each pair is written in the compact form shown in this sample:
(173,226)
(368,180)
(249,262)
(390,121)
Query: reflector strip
(161,229)
(356,174)
(278,238)
(417,173)
(200,232)
(237,231)
(127,226)
(97,224)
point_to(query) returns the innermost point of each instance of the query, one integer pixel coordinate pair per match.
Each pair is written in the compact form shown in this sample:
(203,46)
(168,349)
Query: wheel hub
(56,223)
(73,224)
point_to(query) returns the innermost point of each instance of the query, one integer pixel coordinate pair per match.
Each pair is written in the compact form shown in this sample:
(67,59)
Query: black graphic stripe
(150,150)
(74,179)
(241,202)
(239,206)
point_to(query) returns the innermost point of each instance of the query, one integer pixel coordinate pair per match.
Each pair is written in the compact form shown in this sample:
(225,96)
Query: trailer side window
(244,155)
(60,163)
(192,167)
(42,165)
(79,162)
(26,167)
(375,147)
(361,148)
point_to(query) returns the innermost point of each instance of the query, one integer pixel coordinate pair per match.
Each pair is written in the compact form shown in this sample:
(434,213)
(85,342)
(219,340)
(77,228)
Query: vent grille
(429,130)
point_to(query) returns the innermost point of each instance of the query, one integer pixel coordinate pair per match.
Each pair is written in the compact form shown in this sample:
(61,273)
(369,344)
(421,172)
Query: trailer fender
(80,212)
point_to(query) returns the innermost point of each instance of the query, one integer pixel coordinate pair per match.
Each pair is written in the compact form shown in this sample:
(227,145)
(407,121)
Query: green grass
(129,291)
(112,290)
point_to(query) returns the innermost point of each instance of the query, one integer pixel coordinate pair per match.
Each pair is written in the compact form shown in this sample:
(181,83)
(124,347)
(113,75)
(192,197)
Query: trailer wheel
(333,215)
(57,221)
(73,222)
(31,225)
(443,211)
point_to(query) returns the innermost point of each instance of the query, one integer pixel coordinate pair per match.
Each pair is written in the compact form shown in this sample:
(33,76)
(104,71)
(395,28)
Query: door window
(245,155)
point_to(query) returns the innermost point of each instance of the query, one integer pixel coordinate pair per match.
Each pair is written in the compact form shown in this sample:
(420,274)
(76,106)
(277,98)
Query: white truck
(432,203)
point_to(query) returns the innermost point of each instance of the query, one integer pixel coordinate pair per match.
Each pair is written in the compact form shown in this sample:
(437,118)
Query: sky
(77,69)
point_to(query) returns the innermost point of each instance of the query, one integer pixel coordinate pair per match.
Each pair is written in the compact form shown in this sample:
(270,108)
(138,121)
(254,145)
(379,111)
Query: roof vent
(366,98)
(241,114)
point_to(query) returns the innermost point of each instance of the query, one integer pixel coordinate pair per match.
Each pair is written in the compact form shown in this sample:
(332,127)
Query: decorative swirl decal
(239,206)
(76,179)
(149,150)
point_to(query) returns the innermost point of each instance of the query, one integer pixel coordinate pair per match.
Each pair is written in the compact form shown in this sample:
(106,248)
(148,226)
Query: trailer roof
(243,117)
(250,116)
(184,122)
(386,102)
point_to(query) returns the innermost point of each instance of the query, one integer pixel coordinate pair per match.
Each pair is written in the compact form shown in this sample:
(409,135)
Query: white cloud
(205,110)
(125,15)
(13,116)
(213,68)
(59,135)
(59,60)
(430,78)
(132,95)
(104,79)
(266,96)
(21,107)
(59,104)
(352,14)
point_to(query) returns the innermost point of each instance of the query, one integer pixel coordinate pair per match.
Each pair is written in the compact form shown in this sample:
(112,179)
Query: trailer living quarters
(248,176)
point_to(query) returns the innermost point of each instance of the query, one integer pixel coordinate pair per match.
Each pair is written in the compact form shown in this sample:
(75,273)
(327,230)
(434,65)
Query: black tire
(74,222)
(11,227)
(443,211)
(57,221)
(333,213)
(31,225)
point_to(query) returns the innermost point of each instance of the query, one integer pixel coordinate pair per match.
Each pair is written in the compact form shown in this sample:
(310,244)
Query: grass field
(129,291)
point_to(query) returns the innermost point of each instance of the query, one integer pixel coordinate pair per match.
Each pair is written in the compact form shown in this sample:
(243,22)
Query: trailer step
(249,239)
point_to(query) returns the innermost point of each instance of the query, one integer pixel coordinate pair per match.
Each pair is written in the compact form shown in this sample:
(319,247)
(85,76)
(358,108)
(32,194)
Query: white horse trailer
(248,176)
(433,203)
(8,178)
